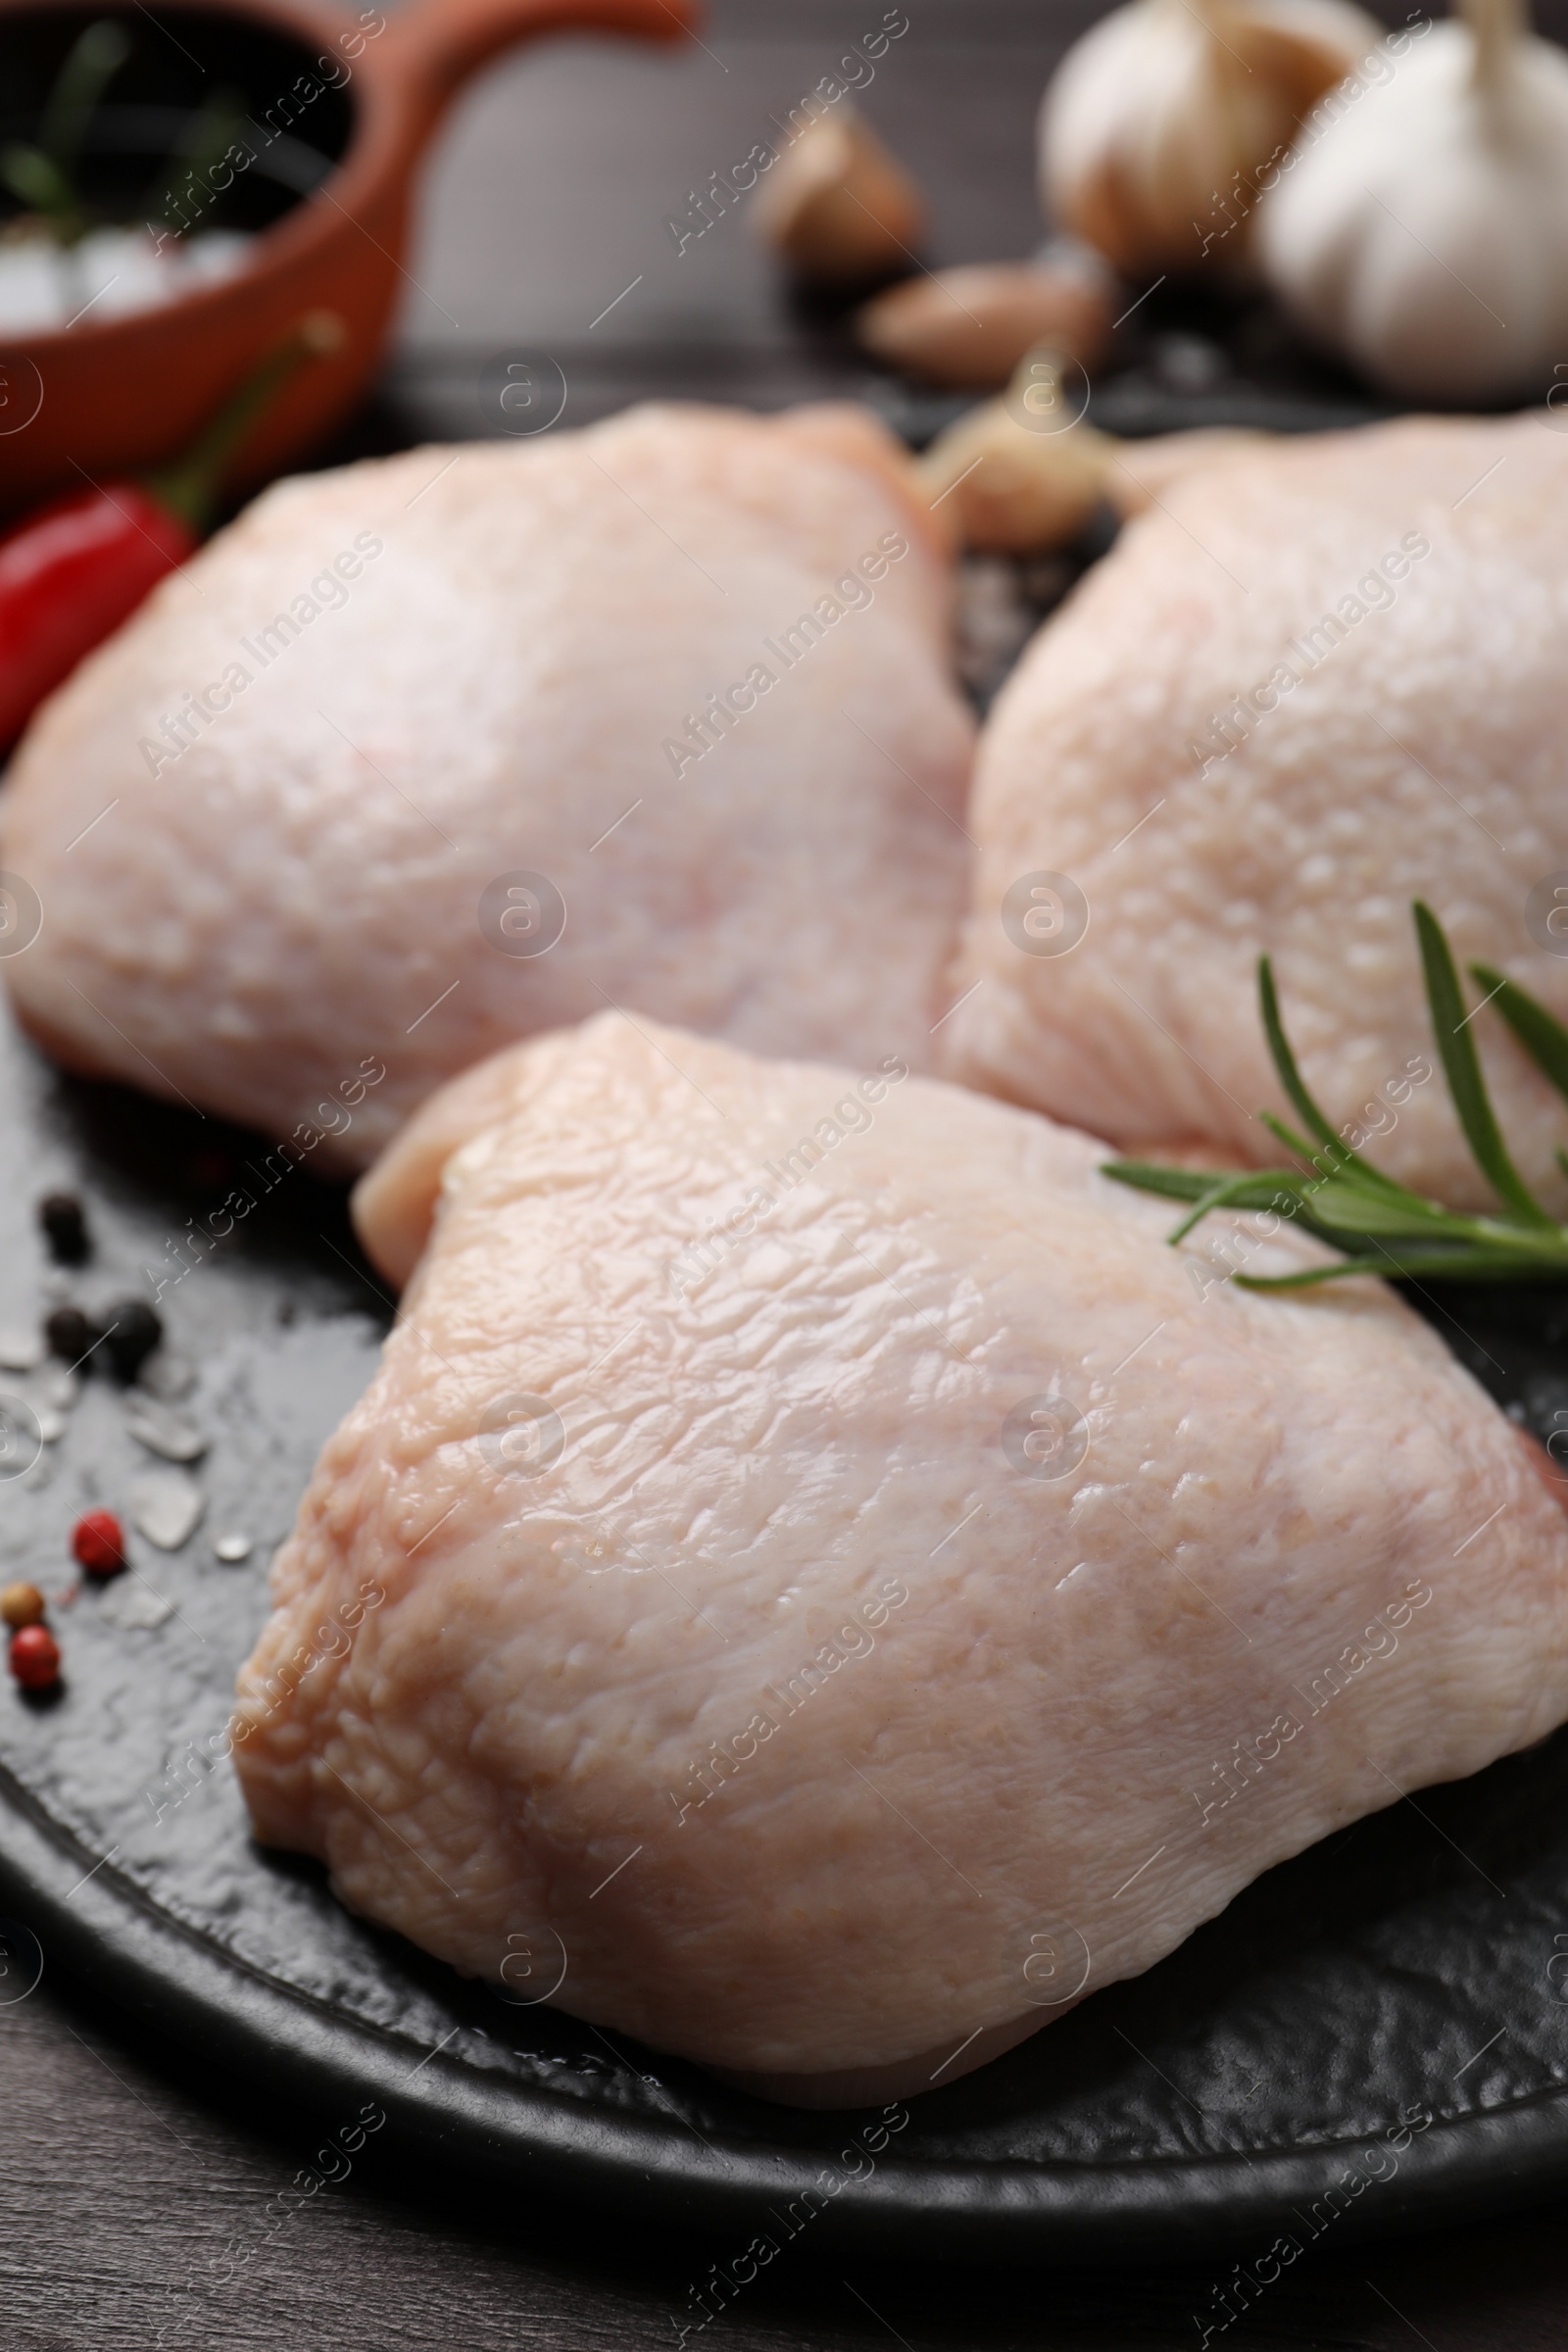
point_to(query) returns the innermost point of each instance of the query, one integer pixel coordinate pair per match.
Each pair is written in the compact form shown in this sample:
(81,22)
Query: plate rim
(119,1942)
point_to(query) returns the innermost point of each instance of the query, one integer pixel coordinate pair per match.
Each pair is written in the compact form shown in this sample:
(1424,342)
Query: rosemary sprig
(1379,1225)
(217,123)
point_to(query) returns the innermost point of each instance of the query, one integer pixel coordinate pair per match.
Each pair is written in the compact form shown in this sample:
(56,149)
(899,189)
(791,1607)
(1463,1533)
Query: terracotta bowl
(115,395)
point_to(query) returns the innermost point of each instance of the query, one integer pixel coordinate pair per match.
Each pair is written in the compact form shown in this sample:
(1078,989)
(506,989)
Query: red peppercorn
(35,1657)
(99,1542)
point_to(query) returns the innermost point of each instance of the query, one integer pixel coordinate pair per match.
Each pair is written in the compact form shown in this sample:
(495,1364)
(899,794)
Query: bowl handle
(435,45)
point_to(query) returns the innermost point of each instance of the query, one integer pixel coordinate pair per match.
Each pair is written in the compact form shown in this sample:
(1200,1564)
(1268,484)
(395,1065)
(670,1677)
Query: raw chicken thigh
(817,1584)
(428,753)
(1318,681)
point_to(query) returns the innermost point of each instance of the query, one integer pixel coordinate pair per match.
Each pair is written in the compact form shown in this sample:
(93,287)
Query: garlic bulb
(1420,224)
(1158,121)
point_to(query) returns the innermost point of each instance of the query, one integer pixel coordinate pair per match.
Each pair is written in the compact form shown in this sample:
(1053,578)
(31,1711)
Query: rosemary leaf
(1358,1209)
(1147,1176)
(1463,1069)
(1295,1085)
(216,123)
(38,182)
(1256,1188)
(1475,1265)
(1225,1191)
(1541,1035)
(1291,1140)
(91,64)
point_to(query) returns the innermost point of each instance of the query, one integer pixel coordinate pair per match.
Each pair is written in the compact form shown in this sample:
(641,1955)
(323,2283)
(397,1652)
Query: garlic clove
(1010,490)
(970,327)
(1007,488)
(1012,499)
(1421,225)
(1158,125)
(837,206)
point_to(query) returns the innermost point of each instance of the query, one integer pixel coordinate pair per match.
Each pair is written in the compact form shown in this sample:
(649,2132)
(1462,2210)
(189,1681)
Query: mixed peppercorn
(35,1652)
(98,1546)
(127,1332)
(163,1505)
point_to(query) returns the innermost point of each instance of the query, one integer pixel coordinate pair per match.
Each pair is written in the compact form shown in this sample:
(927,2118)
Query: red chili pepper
(69,574)
(35,1659)
(99,1542)
(76,567)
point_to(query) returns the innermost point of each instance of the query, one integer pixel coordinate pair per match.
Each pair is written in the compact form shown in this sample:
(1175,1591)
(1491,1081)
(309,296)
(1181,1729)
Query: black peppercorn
(71,1334)
(134,1331)
(64,1228)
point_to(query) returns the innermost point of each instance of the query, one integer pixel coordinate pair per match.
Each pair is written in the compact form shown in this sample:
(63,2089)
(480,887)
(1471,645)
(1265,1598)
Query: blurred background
(551,190)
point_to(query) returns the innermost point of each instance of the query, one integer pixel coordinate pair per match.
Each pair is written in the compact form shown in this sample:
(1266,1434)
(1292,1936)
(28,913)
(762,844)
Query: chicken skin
(428,753)
(1316,682)
(817,1583)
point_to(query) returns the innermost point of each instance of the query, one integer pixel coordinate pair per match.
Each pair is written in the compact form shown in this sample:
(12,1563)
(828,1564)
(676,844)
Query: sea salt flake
(166,1507)
(37,1394)
(167,1377)
(163,1431)
(131,1603)
(59,1387)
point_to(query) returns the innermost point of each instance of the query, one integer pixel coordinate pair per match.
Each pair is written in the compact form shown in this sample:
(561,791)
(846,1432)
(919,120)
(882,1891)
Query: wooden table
(126,2166)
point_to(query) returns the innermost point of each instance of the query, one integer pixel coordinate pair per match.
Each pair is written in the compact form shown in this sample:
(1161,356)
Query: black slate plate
(1373,2036)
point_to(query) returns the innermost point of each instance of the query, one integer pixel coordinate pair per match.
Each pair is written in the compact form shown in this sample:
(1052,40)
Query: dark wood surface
(126,2170)
(126,2167)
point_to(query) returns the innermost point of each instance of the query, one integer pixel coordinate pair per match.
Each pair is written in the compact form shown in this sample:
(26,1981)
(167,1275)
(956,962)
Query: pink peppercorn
(99,1542)
(35,1657)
